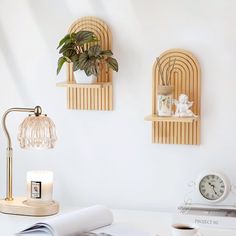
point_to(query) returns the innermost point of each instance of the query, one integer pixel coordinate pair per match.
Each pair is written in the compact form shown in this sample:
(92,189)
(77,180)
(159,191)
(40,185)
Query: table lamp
(36,131)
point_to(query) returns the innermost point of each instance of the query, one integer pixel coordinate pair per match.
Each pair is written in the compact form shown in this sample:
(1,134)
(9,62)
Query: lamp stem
(9,151)
(9,175)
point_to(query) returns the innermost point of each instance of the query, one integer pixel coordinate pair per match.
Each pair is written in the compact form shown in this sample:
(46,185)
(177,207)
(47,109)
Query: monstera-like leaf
(61,62)
(92,59)
(76,48)
(112,63)
(66,39)
(72,45)
(94,51)
(83,37)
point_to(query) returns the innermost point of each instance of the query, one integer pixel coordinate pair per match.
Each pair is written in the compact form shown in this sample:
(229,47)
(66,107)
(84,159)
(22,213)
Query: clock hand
(214,191)
(213,187)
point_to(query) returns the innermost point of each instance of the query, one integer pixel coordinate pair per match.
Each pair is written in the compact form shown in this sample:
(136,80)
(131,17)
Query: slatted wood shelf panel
(97,96)
(171,119)
(90,98)
(186,79)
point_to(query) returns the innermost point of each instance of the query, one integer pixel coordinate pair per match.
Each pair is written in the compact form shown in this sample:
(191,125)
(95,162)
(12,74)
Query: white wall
(108,157)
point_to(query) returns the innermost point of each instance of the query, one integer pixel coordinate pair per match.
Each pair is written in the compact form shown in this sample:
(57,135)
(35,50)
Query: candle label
(35,189)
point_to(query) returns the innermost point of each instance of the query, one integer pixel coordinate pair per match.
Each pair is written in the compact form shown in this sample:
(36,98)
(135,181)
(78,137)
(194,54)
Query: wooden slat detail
(90,98)
(186,79)
(76,85)
(95,96)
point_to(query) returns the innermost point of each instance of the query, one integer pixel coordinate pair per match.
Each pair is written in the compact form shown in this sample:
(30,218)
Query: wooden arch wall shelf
(185,78)
(98,96)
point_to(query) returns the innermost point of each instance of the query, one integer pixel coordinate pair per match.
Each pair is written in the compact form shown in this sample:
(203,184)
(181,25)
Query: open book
(89,221)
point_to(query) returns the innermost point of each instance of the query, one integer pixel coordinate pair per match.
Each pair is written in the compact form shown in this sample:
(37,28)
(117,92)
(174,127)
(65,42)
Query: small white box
(207,217)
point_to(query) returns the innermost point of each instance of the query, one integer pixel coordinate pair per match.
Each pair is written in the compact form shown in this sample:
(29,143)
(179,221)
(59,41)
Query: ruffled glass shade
(37,132)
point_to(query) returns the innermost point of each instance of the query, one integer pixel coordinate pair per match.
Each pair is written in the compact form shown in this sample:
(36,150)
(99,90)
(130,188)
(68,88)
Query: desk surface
(157,223)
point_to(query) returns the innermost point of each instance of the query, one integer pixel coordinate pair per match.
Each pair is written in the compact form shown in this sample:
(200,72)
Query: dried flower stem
(165,81)
(169,74)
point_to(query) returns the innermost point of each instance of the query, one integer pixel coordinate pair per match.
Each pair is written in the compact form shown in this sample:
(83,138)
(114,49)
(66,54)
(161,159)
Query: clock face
(212,187)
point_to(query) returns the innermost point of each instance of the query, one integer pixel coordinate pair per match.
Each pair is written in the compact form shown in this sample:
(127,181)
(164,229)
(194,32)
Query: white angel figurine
(183,106)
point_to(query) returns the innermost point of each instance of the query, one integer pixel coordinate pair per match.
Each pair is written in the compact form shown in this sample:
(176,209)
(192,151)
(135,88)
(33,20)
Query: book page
(74,223)
(122,230)
(96,221)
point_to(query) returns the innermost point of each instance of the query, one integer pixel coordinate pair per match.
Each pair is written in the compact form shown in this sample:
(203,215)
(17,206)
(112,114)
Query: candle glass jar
(39,187)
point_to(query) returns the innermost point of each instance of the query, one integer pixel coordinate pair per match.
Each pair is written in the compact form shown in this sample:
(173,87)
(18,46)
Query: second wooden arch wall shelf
(185,78)
(98,96)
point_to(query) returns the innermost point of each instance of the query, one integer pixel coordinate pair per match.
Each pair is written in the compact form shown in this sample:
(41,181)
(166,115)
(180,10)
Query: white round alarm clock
(213,186)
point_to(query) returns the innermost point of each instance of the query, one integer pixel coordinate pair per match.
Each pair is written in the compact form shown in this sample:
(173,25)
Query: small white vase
(82,78)
(164,100)
(164,103)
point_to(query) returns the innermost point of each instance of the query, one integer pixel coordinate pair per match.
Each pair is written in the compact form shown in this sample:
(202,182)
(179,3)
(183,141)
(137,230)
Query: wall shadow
(13,67)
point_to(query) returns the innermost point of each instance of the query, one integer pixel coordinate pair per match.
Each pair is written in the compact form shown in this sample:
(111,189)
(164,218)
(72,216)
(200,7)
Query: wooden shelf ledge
(76,85)
(171,118)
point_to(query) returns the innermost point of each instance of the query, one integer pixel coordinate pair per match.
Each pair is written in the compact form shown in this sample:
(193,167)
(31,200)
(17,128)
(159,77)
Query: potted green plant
(82,49)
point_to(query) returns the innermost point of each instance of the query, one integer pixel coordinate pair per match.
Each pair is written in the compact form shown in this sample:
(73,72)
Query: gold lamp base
(19,206)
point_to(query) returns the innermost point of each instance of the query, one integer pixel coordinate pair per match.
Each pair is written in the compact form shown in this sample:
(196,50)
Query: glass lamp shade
(37,132)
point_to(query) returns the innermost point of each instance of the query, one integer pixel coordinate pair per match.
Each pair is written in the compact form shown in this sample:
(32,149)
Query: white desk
(153,222)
